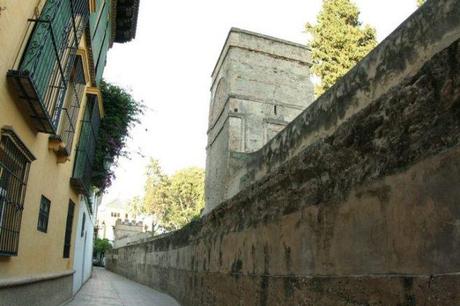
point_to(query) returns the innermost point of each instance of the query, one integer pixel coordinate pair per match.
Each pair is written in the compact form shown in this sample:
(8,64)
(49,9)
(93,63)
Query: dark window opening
(83,225)
(43,214)
(275,110)
(68,229)
(84,158)
(15,162)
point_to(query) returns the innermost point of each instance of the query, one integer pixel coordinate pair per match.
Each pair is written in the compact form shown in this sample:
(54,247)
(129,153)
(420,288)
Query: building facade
(52,60)
(115,216)
(259,85)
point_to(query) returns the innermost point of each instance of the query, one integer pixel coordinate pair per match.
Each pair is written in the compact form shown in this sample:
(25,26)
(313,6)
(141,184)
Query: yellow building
(52,57)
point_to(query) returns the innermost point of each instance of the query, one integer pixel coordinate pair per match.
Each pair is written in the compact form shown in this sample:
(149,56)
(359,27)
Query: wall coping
(238,38)
(430,29)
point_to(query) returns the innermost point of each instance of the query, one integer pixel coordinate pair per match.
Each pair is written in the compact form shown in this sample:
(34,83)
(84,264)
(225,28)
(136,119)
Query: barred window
(43,214)
(68,229)
(71,107)
(15,162)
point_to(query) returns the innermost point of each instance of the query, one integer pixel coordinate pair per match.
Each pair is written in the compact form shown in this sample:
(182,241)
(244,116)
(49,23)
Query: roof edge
(259,35)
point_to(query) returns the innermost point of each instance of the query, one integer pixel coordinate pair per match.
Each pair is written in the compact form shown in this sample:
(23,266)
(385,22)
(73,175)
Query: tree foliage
(100,247)
(339,41)
(136,206)
(175,200)
(122,111)
(420,2)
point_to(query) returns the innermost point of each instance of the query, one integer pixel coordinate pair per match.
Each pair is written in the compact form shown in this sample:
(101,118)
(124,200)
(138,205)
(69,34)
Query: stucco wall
(46,290)
(354,203)
(83,257)
(38,252)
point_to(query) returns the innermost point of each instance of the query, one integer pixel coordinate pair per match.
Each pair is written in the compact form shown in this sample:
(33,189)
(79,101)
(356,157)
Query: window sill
(59,148)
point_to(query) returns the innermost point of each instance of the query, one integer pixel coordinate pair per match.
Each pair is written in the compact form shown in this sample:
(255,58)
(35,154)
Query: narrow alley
(107,288)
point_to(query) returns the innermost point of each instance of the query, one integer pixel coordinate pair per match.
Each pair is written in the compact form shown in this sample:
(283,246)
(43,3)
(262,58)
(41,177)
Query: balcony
(42,75)
(83,167)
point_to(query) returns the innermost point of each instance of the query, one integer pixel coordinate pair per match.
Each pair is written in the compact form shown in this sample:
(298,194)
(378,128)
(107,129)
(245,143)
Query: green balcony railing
(83,167)
(42,75)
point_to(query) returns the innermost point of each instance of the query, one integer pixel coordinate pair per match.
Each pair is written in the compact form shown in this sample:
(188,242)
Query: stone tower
(259,85)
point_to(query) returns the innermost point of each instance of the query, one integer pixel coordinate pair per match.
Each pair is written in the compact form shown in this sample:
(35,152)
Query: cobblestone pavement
(107,288)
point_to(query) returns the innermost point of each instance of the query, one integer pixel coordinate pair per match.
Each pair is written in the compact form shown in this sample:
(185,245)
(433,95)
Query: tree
(338,41)
(175,200)
(121,113)
(100,247)
(136,206)
(420,2)
(185,198)
(156,187)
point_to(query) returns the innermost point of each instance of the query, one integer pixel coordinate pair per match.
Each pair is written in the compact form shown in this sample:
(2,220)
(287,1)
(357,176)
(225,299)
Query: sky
(168,66)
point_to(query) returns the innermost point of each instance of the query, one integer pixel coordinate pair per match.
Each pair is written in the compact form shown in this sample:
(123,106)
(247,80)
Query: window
(83,225)
(42,72)
(15,162)
(43,214)
(71,107)
(84,158)
(68,229)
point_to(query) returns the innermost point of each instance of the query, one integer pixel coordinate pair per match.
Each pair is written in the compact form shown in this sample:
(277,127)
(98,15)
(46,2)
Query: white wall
(83,257)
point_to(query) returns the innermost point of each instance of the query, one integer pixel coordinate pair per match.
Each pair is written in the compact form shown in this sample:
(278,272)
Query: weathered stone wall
(354,203)
(259,85)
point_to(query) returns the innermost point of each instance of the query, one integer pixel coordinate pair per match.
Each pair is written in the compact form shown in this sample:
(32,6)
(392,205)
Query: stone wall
(126,228)
(354,203)
(259,85)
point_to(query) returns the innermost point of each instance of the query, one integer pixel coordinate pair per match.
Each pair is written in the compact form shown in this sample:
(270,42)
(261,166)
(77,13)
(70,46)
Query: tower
(259,84)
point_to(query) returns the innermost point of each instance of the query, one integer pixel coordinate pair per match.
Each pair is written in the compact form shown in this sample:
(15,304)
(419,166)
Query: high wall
(354,203)
(259,85)
(126,228)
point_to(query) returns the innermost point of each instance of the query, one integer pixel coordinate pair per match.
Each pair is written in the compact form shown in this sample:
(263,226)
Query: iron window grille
(68,229)
(68,121)
(43,214)
(15,161)
(42,75)
(83,166)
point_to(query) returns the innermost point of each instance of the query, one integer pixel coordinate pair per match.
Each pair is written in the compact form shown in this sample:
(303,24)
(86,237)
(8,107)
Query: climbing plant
(122,111)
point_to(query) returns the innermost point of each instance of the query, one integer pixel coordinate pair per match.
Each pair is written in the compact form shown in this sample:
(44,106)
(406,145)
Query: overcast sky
(169,64)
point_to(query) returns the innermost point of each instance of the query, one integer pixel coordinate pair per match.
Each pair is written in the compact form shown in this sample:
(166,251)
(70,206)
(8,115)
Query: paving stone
(107,288)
